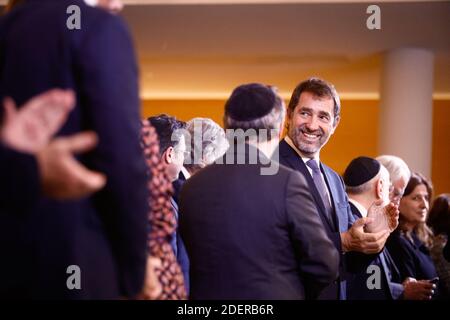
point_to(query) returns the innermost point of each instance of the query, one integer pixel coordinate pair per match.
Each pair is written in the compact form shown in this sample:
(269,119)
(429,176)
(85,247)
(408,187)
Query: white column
(406,107)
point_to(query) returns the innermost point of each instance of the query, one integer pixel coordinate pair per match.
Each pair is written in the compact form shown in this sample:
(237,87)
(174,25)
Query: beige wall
(357,133)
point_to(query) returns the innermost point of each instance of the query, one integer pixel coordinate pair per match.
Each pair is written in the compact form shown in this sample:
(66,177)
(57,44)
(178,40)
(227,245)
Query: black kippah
(361,170)
(250,101)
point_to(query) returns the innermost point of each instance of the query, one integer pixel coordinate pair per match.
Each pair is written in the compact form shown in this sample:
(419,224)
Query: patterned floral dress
(161,219)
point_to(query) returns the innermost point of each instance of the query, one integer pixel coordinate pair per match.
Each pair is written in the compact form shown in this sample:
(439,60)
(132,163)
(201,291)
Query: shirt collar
(185,173)
(305,159)
(359,206)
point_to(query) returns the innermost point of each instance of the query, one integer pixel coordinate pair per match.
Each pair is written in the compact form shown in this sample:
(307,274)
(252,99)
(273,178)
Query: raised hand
(30,128)
(384,217)
(62,176)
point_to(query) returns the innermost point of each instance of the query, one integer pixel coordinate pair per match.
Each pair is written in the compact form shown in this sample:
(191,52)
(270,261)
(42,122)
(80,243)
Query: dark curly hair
(439,216)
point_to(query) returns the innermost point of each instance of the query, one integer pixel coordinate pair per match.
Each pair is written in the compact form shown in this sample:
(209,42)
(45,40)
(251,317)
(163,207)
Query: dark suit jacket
(105,235)
(18,174)
(412,258)
(177,185)
(342,219)
(253,236)
(179,248)
(390,288)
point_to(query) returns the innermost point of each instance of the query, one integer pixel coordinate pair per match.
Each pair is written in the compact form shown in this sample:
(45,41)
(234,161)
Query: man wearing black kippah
(274,247)
(367,181)
(313,116)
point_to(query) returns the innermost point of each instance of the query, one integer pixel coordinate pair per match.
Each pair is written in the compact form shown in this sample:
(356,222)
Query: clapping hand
(383,217)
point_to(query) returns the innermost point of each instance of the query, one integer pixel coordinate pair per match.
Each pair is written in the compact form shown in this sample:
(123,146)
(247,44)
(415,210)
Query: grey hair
(207,142)
(362,188)
(398,169)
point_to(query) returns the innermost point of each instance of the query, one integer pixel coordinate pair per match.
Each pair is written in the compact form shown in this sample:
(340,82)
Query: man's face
(312,123)
(176,159)
(385,191)
(397,190)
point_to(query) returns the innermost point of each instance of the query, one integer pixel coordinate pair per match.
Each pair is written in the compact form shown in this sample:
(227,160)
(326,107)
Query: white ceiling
(204,51)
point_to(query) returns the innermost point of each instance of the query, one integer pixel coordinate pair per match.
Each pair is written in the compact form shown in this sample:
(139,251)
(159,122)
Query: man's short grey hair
(397,168)
(367,186)
(271,122)
(210,144)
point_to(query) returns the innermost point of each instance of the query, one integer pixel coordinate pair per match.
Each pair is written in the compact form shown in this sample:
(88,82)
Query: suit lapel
(341,218)
(355,211)
(295,162)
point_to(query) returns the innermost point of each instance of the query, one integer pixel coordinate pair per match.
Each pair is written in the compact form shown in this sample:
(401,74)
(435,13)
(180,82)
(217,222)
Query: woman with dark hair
(409,245)
(439,221)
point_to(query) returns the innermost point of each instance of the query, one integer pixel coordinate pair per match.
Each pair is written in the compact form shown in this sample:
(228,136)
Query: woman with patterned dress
(162,222)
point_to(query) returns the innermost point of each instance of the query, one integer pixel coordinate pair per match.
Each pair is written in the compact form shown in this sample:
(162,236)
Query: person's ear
(379,189)
(168,155)
(336,123)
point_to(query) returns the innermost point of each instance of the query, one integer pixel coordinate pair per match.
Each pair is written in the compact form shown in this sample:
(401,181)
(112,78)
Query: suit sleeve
(19,180)
(397,290)
(319,260)
(108,96)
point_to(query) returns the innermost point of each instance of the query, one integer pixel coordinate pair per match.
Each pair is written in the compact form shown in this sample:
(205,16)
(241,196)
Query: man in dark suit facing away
(100,240)
(250,226)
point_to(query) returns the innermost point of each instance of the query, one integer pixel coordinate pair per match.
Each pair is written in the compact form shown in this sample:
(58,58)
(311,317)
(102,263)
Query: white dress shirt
(359,206)
(305,159)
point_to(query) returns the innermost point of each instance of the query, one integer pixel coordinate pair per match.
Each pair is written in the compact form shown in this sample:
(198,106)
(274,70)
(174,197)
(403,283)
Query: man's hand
(62,176)
(384,217)
(418,290)
(355,239)
(152,287)
(393,214)
(30,128)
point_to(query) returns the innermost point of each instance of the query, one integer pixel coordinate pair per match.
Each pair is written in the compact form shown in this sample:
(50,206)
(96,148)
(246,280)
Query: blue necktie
(321,187)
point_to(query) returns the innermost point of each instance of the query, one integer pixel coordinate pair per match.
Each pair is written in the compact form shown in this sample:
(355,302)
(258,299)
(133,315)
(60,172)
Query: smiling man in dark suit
(313,116)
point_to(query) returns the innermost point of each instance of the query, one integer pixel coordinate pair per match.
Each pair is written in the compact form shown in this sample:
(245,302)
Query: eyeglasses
(395,192)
